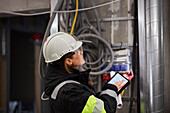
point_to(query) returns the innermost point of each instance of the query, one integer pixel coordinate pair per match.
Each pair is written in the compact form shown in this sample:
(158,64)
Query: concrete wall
(23,5)
(115,31)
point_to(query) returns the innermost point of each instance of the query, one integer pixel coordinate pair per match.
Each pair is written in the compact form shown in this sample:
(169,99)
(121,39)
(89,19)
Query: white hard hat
(57,45)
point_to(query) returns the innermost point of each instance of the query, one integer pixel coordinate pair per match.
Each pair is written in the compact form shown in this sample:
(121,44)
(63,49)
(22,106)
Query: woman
(69,89)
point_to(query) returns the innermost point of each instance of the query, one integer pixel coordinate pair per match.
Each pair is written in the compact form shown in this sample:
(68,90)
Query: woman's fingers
(119,84)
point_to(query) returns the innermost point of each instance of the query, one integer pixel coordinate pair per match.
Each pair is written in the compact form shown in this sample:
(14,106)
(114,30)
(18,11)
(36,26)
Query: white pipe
(54,26)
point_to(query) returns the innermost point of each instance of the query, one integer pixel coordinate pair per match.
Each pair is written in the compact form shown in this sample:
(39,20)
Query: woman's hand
(119,84)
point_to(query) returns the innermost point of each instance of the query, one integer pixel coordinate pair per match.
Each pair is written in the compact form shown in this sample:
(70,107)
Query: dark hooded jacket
(73,97)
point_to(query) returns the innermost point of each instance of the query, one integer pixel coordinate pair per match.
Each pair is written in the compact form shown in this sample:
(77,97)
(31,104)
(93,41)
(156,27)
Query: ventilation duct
(151,56)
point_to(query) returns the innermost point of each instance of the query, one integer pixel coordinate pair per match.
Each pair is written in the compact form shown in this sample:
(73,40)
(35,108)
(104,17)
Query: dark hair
(61,62)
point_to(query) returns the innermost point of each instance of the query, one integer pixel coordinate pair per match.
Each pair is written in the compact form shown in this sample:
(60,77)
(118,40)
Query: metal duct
(151,56)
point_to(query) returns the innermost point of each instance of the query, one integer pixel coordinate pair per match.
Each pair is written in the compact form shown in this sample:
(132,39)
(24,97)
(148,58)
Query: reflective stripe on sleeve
(94,105)
(110,93)
(55,92)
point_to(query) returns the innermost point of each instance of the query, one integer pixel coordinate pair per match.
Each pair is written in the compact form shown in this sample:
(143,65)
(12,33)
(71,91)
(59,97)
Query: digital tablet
(119,78)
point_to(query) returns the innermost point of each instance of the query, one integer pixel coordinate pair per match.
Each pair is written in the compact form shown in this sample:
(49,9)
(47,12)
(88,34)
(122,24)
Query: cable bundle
(97,52)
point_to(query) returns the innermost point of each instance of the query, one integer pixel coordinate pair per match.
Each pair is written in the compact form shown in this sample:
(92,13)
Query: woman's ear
(68,61)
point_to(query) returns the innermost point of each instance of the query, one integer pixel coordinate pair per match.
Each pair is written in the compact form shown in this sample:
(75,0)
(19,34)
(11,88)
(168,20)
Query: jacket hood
(56,74)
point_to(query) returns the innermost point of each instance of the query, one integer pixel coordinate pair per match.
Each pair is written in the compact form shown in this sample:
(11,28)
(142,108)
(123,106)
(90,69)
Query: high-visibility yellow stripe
(90,104)
(103,110)
(94,105)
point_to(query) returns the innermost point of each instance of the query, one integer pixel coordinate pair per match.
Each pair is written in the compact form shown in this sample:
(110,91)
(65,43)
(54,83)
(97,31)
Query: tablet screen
(118,77)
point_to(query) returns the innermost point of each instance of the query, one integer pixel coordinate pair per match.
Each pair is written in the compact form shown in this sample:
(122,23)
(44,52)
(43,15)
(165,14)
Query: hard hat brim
(78,44)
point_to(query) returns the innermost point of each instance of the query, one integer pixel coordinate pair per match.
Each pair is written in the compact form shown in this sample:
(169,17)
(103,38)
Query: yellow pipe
(75,17)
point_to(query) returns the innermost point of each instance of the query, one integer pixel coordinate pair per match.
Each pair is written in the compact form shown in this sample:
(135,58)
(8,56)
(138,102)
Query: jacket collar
(56,74)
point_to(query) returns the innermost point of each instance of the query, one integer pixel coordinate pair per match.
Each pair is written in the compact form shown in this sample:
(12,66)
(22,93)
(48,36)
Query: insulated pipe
(151,56)
(154,37)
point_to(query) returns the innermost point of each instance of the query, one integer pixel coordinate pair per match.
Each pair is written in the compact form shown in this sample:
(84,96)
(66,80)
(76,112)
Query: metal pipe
(142,56)
(151,66)
(155,60)
(129,18)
